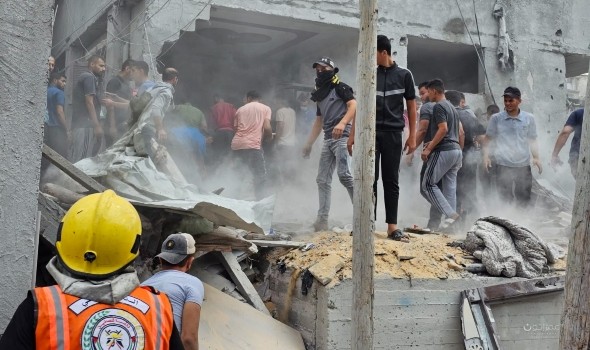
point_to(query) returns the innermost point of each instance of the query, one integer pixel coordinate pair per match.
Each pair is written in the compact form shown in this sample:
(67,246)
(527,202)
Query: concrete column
(26,35)
(118,49)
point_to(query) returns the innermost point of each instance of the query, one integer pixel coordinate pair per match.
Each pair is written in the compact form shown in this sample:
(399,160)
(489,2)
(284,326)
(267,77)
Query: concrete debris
(325,270)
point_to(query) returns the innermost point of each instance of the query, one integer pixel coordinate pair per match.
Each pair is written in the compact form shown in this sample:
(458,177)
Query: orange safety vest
(141,321)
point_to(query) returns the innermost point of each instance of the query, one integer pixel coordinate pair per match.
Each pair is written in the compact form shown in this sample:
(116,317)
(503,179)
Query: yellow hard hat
(99,236)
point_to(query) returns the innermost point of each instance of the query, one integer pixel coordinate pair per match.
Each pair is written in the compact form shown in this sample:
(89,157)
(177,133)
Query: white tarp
(138,179)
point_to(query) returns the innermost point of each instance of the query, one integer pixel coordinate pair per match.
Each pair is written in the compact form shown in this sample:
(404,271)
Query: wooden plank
(78,175)
(285,244)
(242,282)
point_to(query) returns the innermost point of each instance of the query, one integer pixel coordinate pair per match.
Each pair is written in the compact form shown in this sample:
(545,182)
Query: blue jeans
(334,156)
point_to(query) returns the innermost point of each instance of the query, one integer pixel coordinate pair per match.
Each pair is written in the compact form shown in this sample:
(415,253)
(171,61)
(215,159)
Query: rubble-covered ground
(425,256)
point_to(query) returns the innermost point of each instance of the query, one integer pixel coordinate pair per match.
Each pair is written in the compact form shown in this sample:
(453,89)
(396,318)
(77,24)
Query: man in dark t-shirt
(119,91)
(467,175)
(573,124)
(336,108)
(442,155)
(87,131)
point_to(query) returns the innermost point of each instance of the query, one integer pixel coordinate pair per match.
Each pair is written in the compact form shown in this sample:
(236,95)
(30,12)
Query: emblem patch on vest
(113,329)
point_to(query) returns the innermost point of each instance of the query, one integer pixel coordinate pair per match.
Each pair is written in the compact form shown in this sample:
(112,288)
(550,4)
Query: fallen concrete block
(325,270)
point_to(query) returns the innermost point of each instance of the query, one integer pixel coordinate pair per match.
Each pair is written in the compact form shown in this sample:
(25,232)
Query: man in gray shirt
(442,155)
(336,107)
(514,136)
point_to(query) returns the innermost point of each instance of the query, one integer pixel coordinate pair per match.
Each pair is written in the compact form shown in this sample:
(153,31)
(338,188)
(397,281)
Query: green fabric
(190,115)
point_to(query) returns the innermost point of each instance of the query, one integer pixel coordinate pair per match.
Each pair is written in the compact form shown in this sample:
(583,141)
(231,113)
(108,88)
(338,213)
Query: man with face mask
(336,108)
(87,130)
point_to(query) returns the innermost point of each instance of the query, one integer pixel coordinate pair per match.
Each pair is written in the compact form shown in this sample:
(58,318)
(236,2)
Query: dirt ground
(425,256)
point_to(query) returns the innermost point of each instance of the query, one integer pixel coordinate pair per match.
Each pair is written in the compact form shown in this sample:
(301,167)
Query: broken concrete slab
(227,324)
(325,270)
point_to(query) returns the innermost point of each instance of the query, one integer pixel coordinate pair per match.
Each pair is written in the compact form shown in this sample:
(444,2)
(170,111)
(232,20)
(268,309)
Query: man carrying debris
(252,124)
(443,155)
(336,108)
(97,302)
(185,291)
(394,85)
(513,133)
(87,132)
(151,126)
(573,124)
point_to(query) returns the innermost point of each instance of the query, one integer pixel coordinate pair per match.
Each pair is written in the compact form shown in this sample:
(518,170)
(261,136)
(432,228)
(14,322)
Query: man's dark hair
(383,43)
(169,74)
(93,59)
(462,95)
(454,97)
(493,109)
(253,95)
(142,65)
(56,76)
(436,85)
(423,84)
(128,63)
(166,264)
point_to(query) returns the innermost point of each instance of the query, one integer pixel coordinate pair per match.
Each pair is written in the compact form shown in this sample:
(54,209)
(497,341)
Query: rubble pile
(330,257)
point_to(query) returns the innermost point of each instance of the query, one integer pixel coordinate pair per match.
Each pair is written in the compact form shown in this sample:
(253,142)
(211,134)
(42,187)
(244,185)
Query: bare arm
(316,129)
(422,129)
(461,136)
(347,118)
(411,144)
(89,99)
(267,129)
(61,116)
(559,143)
(191,315)
(534,146)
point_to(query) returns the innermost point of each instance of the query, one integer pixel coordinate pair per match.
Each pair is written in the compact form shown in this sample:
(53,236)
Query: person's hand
(209,140)
(409,159)
(425,154)
(306,150)
(537,163)
(68,136)
(98,132)
(410,145)
(107,102)
(555,162)
(338,131)
(487,164)
(162,135)
(349,144)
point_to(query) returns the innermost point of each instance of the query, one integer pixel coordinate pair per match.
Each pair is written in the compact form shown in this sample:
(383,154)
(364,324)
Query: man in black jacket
(394,84)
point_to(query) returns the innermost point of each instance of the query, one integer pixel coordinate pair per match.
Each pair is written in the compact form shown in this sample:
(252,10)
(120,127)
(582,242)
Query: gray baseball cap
(177,247)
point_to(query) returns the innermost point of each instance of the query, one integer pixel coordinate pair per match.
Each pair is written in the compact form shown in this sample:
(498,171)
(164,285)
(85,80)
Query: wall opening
(456,64)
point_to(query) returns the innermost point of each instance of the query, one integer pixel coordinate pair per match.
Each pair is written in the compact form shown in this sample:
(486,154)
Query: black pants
(434,216)
(467,188)
(253,159)
(388,150)
(515,184)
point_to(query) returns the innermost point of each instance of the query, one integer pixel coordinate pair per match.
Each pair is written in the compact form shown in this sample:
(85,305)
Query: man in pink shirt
(251,124)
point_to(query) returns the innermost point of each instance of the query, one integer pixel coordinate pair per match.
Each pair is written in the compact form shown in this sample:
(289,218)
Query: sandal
(399,236)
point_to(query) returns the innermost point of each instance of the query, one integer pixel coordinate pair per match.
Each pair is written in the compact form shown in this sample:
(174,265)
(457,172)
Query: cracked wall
(26,33)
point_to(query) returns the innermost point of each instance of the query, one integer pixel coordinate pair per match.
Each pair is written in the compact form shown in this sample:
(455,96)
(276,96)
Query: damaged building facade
(230,47)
